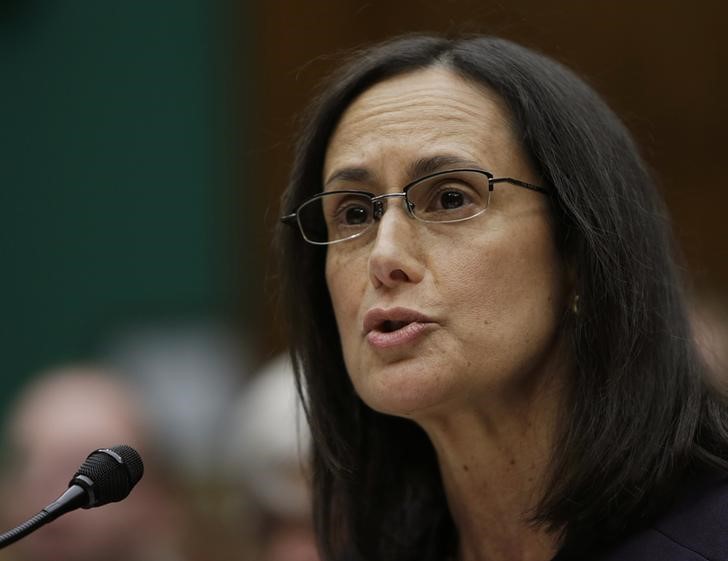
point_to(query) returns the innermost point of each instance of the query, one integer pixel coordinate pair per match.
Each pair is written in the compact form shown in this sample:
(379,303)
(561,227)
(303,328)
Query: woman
(488,322)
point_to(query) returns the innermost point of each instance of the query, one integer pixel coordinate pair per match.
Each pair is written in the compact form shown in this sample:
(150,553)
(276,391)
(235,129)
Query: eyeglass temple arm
(289,218)
(520,183)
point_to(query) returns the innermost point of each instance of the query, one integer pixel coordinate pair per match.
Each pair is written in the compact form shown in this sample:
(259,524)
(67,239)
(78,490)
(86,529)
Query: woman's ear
(571,280)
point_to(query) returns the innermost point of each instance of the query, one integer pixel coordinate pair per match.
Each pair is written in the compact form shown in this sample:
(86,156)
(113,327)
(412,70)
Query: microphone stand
(74,497)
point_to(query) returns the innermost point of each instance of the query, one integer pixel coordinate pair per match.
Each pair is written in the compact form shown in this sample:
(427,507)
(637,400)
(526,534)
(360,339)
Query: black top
(695,528)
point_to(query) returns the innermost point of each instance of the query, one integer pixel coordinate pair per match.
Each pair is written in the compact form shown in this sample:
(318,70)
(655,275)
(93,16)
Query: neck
(493,467)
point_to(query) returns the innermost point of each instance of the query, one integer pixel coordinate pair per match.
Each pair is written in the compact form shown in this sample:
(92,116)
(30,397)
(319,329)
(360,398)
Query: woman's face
(433,317)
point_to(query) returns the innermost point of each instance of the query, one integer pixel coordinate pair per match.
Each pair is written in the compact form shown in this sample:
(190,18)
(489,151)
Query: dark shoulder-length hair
(638,415)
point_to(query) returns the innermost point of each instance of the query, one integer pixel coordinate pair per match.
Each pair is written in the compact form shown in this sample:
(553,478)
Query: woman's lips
(391,327)
(405,334)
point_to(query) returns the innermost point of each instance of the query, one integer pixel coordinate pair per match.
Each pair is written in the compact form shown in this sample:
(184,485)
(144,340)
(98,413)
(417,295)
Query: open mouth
(392,320)
(383,331)
(390,326)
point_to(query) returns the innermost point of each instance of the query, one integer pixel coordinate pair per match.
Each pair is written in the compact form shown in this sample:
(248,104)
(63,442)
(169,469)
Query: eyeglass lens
(446,197)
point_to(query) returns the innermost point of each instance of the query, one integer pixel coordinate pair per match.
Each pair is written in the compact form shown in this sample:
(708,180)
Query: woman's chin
(406,390)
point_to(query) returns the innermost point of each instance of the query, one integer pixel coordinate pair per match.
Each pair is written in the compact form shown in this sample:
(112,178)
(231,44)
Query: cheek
(471,288)
(506,287)
(346,283)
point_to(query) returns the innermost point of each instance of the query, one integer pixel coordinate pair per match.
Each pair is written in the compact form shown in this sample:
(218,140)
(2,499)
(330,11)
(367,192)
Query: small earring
(575,305)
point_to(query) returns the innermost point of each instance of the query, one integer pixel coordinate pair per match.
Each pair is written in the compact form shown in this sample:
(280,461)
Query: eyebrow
(417,169)
(357,174)
(426,166)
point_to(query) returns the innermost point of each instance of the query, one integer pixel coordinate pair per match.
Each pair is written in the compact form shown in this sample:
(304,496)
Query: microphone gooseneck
(106,476)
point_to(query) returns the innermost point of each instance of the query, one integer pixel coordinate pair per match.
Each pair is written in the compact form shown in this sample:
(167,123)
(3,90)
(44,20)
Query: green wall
(113,169)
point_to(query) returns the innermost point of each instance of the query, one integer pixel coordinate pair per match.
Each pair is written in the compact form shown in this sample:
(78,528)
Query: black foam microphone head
(109,474)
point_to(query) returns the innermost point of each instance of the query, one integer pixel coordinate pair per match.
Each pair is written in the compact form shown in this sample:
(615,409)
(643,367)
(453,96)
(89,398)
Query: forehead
(424,113)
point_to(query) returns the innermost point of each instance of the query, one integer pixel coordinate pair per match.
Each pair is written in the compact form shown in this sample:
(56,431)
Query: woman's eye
(350,211)
(355,215)
(451,199)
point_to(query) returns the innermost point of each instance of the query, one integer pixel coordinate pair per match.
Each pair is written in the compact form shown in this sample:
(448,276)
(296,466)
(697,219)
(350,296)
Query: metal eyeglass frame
(378,201)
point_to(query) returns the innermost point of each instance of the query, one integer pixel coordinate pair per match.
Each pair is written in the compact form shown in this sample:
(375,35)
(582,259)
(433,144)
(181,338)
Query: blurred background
(143,149)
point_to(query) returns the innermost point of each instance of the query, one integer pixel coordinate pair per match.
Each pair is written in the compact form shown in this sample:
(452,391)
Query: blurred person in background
(60,418)
(268,451)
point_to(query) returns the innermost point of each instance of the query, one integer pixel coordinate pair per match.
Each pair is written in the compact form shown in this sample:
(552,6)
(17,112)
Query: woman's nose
(395,255)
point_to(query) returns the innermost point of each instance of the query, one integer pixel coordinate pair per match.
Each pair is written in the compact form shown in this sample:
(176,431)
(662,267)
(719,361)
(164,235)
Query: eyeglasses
(446,196)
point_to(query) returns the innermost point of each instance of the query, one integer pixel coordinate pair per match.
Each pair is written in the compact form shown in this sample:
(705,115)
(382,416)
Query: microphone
(106,476)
